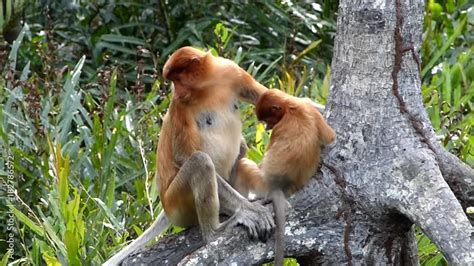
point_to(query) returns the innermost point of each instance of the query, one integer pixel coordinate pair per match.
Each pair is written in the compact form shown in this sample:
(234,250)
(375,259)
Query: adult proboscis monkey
(199,145)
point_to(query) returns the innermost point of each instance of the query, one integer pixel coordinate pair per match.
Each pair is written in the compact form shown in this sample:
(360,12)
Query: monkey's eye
(276,107)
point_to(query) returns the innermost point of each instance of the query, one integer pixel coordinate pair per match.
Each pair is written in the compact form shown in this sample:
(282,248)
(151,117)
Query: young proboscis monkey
(293,153)
(199,144)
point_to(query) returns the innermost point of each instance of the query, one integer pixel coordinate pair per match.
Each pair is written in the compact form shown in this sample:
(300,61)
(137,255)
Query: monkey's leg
(198,176)
(210,192)
(155,229)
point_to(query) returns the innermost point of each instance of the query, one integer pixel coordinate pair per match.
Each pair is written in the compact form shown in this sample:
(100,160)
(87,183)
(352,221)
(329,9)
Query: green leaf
(2,19)
(70,100)
(110,46)
(16,45)
(63,184)
(122,39)
(108,213)
(238,56)
(110,191)
(25,72)
(450,6)
(35,251)
(446,88)
(444,48)
(54,237)
(72,247)
(268,69)
(50,260)
(7,254)
(8,9)
(308,49)
(435,261)
(111,98)
(325,86)
(27,221)
(435,9)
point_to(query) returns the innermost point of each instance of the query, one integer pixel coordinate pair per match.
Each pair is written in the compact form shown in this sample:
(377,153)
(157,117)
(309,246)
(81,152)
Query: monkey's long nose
(179,91)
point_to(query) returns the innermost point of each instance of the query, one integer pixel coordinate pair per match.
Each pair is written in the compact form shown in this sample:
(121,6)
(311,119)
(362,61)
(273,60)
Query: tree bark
(385,172)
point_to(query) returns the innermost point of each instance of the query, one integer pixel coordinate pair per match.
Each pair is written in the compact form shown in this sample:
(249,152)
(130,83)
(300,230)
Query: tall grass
(82,106)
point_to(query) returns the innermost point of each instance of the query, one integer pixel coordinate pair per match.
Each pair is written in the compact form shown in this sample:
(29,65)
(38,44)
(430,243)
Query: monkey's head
(188,69)
(271,107)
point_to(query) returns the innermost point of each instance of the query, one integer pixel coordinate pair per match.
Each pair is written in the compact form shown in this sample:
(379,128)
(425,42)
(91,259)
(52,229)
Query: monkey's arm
(249,89)
(245,175)
(234,171)
(184,135)
(250,177)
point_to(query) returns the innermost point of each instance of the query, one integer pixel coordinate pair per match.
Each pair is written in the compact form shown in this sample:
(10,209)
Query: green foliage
(447,87)
(448,72)
(82,101)
(83,129)
(428,253)
(72,154)
(9,13)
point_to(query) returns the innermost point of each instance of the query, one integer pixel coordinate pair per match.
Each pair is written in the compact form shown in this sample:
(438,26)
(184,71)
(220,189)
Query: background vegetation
(82,100)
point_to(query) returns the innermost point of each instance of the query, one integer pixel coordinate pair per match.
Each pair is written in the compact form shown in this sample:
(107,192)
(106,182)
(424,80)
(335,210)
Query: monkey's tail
(155,229)
(279,206)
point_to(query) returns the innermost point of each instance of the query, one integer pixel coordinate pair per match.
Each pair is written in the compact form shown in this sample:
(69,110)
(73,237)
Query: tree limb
(315,231)
(426,199)
(458,175)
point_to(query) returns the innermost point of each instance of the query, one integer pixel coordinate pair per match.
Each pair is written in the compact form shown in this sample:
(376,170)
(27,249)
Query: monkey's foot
(256,218)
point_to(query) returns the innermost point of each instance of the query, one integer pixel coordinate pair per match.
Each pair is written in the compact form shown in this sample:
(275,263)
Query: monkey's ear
(195,59)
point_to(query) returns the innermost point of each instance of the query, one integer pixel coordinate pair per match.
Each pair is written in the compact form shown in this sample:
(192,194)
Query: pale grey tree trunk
(385,172)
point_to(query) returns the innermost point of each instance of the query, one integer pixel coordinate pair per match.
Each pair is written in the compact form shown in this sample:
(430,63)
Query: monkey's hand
(257,219)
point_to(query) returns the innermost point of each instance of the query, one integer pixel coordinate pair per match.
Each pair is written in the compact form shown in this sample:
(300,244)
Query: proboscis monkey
(292,155)
(200,141)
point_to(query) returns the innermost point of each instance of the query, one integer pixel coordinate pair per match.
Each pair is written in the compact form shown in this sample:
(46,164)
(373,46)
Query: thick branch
(458,175)
(317,230)
(427,200)
(303,233)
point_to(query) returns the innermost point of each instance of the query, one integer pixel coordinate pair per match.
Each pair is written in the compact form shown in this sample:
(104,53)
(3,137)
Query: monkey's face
(271,107)
(186,68)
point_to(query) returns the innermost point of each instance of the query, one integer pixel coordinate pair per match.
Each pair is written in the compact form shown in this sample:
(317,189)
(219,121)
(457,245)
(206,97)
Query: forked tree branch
(422,196)
(458,175)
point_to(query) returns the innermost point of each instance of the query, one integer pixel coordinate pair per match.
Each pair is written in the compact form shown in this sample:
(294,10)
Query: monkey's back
(294,150)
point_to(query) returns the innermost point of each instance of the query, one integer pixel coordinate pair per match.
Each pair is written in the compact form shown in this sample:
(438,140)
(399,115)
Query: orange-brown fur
(249,178)
(293,154)
(299,131)
(201,82)
(199,143)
